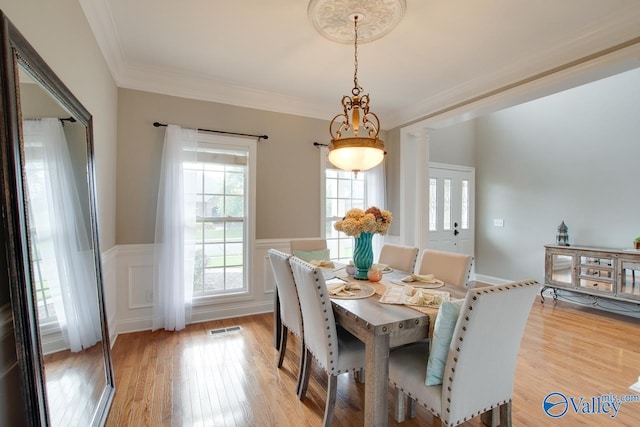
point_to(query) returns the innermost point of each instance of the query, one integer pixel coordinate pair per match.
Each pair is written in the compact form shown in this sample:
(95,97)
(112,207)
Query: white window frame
(250,146)
(324,165)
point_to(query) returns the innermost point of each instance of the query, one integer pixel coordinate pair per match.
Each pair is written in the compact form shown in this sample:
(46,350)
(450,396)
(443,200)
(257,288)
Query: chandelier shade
(356,154)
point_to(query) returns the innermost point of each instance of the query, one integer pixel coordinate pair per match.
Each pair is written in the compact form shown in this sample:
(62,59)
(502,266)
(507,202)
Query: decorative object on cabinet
(562,238)
(636,243)
(609,278)
(40,231)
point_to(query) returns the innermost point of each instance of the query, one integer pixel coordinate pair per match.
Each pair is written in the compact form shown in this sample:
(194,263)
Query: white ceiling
(267,54)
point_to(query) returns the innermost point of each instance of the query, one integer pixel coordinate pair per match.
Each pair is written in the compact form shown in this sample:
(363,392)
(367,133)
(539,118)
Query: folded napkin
(343,289)
(321,263)
(424,278)
(425,298)
(381,267)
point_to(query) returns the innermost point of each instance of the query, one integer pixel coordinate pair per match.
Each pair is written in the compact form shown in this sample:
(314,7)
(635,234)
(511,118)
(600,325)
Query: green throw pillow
(442,334)
(320,255)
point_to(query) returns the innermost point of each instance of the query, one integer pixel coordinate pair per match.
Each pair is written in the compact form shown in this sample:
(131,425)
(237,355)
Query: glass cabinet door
(560,269)
(629,283)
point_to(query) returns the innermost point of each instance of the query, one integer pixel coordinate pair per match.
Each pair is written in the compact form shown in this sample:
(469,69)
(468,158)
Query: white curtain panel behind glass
(60,242)
(175,226)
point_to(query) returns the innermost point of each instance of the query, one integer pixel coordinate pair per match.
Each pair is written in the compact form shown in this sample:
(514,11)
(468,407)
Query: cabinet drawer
(596,272)
(595,284)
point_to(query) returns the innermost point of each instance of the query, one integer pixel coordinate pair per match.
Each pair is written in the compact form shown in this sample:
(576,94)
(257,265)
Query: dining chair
(308,244)
(399,257)
(480,363)
(333,348)
(289,306)
(310,249)
(450,267)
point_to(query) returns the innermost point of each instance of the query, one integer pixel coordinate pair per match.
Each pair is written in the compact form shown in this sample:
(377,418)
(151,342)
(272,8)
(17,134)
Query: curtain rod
(68,119)
(158,124)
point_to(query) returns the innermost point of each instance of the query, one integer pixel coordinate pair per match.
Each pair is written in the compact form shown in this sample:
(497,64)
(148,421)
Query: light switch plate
(499,222)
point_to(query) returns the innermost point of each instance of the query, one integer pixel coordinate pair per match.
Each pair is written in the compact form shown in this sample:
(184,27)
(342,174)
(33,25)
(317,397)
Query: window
(45,272)
(433,204)
(464,204)
(220,172)
(343,191)
(446,216)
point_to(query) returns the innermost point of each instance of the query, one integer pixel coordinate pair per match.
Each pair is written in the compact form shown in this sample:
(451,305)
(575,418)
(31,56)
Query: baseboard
(197,316)
(219,313)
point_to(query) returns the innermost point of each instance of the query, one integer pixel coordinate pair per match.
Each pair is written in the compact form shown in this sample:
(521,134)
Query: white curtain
(60,242)
(175,227)
(377,196)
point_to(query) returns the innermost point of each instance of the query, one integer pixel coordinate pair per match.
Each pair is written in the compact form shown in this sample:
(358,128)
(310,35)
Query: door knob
(456,232)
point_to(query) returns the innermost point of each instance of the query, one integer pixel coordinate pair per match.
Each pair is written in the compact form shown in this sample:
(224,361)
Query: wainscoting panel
(140,286)
(134,289)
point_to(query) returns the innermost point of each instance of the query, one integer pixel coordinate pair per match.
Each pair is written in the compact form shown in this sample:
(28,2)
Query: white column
(414,186)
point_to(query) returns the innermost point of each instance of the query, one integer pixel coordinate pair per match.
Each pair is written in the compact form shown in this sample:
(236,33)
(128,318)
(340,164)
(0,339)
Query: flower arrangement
(356,221)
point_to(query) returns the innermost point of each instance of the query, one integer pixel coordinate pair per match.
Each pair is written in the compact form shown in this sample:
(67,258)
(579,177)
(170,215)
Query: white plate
(365,291)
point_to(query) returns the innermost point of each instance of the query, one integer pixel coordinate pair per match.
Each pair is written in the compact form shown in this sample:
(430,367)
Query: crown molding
(214,90)
(100,20)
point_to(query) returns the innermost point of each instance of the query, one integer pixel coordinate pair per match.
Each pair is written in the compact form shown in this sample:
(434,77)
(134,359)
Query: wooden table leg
(376,381)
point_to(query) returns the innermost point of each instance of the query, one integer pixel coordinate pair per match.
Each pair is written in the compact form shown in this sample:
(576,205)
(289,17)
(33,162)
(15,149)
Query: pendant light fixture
(361,149)
(355,143)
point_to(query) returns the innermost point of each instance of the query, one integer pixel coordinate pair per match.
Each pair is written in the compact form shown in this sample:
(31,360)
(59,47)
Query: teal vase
(362,255)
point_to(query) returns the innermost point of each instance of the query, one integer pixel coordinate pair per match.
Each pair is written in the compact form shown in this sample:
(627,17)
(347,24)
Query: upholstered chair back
(308,244)
(480,368)
(317,315)
(290,313)
(399,257)
(449,267)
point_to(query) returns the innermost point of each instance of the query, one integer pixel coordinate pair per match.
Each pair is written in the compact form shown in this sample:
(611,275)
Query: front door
(451,208)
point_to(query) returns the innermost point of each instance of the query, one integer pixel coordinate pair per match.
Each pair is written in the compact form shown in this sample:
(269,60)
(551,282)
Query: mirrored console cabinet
(601,273)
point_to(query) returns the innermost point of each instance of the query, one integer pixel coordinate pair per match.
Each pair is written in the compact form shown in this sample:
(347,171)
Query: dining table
(381,327)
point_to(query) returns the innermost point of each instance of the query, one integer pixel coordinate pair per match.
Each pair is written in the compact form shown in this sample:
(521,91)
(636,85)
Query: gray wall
(288,165)
(454,145)
(571,156)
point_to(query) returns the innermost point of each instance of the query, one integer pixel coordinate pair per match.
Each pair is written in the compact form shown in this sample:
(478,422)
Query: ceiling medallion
(333,19)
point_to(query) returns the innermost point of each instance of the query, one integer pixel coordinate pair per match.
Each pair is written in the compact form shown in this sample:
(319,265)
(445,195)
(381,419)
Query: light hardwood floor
(190,378)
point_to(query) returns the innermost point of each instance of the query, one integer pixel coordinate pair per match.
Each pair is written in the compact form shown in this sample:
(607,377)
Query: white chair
(399,257)
(480,364)
(307,245)
(289,308)
(334,349)
(450,267)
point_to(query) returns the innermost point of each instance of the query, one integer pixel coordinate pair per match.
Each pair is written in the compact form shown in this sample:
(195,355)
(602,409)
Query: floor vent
(223,331)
